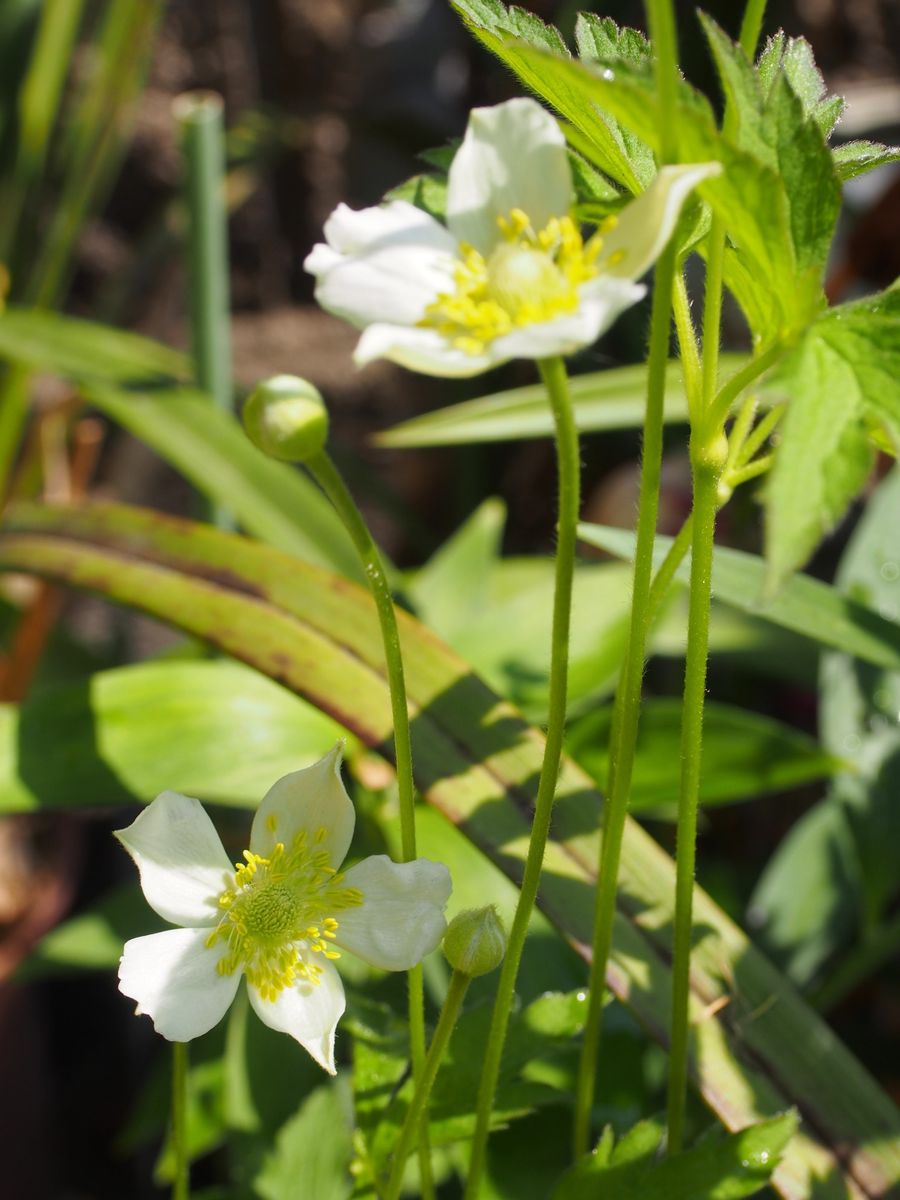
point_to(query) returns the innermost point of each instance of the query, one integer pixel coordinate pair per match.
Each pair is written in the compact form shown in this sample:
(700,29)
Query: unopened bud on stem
(286,418)
(475,941)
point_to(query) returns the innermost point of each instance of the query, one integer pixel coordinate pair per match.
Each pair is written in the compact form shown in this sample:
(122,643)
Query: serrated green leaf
(855,158)
(842,377)
(745,755)
(823,456)
(729,1168)
(793,57)
(505,32)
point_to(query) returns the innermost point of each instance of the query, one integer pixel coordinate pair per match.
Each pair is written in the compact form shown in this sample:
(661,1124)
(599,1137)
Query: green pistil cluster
(279,911)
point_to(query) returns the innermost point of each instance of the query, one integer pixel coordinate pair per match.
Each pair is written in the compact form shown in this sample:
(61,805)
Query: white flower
(510,275)
(278,919)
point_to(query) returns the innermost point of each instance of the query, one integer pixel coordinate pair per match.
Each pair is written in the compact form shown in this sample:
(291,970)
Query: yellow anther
(615,258)
(271,822)
(608,224)
(530,277)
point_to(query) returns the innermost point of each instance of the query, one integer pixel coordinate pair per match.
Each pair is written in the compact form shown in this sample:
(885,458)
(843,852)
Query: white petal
(600,303)
(423,350)
(308,1012)
(401,918)
(309,801)
(173,978)
(646,224)
(395,283)
(512,156)
(386,263)
(359,231)
(182,863)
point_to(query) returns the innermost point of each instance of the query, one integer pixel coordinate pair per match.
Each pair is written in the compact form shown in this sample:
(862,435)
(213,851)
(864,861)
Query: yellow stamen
(278,912)
(529,277)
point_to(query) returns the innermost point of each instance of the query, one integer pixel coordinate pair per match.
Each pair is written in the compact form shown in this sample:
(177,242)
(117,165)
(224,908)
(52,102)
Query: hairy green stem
(687,344)
(720,405)
(330,480)
(181,1180)
(553,373)
(413,1121)
(628,697)
(706,479)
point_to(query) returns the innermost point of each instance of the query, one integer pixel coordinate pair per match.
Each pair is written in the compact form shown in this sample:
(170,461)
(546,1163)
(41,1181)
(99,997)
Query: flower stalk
(322,467)
(181,1180)
(553,373)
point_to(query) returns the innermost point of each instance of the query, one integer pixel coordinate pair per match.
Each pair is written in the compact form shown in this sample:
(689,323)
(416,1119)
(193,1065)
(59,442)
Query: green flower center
(278,913)
(528,278)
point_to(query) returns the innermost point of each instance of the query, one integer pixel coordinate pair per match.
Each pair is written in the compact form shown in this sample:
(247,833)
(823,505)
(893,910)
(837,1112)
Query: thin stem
(628,698)
(751,25)
(687,344)
(719,407)
(199,115)
(456,991)
(661,24)
(332,483)
(760,435)
(704,521)
(181,1181)
(553,373)
(753,470)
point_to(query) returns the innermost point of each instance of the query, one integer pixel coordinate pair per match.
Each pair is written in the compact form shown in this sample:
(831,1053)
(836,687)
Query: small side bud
(286,418)
(475,941)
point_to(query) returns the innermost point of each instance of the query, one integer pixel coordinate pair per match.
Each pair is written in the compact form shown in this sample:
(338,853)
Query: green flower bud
(286,418)
(475,941)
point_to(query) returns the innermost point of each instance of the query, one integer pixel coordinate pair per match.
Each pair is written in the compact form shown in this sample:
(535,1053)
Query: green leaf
(860,705)
(806,902)
(214,730)
(804,605)
(745,755)
(85,350)
(477,762)
(451,589)
(840,380)
(776,115)
(92,940)
(135,382)
(611,399)
(793,58)
(855,158)
(507,32)
(315,1147)
(727,1168)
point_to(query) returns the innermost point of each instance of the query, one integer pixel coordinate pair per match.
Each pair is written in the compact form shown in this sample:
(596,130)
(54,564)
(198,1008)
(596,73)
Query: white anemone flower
(278,919)
(510,275)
